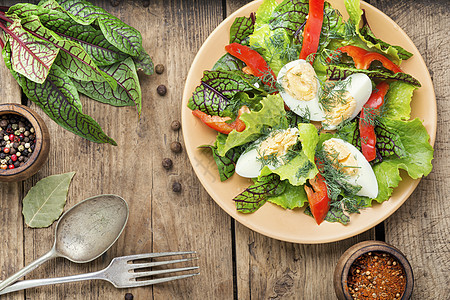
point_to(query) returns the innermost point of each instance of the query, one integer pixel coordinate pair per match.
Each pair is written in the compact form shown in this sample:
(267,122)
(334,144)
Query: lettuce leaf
(394,53)
(271,115)
(292,197)
(397,101)
(416,162)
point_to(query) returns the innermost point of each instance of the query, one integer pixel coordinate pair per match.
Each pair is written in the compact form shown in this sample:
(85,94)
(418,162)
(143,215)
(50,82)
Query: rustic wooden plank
(420,228)
(160,220)
(271,269)
(11,229)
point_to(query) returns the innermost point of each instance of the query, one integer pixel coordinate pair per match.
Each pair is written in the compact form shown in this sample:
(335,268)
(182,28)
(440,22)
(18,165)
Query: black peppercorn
(115,2)
(159,69)
(161,89)
(176,187)
(176,125)
(175,147)
(129,296)
(16,164)
(4,123)
(146,3)
(167,163)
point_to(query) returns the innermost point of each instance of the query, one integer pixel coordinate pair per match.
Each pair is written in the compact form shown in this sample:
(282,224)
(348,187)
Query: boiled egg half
(267,152)
(352,163)
(302,93)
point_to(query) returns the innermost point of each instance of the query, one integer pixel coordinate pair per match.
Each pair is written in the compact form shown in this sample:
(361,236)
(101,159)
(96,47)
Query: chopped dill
(332,93)
(304,170)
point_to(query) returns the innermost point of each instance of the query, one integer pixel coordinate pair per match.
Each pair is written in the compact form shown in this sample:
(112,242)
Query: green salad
(314,108)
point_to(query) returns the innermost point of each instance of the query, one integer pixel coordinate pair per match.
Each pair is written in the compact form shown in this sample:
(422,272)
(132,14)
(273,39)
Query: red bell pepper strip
(318,198)
(254,61)
(363,58)
(220,123)
(366,126)
(313,27)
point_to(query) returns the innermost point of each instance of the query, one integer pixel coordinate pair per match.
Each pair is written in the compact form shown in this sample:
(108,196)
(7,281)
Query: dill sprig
(335,178)
(333,93)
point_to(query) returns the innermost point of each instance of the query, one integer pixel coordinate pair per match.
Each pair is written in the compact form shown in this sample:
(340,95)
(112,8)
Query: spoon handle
(25,270)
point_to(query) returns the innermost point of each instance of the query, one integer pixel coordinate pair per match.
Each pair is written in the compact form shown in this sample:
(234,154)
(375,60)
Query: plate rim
(240,217)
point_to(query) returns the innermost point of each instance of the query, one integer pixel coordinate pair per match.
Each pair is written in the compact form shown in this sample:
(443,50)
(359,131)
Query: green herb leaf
(292,197)
(213,96)
(122,36)
(335,72)
(228,63)
(290,15)
(45,201)
(32,57)
(59,99)
(127,93)
(256,195)
(240,30)
(144,62)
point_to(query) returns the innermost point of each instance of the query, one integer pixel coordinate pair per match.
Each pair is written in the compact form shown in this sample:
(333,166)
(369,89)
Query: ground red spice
(376,275)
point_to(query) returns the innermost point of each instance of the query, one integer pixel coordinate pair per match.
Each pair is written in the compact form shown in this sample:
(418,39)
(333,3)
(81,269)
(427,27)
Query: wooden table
(235,262)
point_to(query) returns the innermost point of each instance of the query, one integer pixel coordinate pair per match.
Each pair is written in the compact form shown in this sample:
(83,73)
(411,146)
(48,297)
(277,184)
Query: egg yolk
(300,82)
(278,144)
(341,108)
(341,157)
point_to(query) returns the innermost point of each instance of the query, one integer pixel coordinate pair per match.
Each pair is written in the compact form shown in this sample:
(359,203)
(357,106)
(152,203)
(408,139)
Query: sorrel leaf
(217,88)
(256,195)
(228,63)
(72,57)
(122,36)
(335,72)
(45,201)
(144,62)
(31,56)
(127,93)
(92,40)
(59,99)
(241,29)
(290,15)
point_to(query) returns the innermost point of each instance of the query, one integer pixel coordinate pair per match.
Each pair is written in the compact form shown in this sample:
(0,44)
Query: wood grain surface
(235,262)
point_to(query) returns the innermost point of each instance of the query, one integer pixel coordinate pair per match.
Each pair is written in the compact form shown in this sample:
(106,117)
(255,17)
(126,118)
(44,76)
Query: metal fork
(121,272)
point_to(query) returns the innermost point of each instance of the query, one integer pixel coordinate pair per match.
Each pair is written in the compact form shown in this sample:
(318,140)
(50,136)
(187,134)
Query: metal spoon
(84,232)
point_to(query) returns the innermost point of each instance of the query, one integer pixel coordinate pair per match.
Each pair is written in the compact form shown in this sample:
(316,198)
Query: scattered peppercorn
(176,187)
(129,296)
(159,69)
(167,163)
(146,3)
(115,2)
(176,147)
(176,125)
(161,89)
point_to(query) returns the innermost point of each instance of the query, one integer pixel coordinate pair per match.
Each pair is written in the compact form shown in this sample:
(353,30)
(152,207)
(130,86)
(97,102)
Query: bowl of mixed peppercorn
(373,270)
(24,142)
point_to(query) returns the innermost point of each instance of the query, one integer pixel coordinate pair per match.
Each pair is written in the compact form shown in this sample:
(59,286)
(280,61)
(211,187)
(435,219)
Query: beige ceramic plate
(271,220)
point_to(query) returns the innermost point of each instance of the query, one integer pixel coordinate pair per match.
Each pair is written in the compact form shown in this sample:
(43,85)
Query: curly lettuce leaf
(416,162)
(292,197)
(241,29)
(397,101)
(264,12)
(271,115)
(394,53)
(257,195)
(336,72)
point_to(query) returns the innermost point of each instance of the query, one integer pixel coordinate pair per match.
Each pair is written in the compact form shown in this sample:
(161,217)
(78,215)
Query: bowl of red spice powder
(373,270)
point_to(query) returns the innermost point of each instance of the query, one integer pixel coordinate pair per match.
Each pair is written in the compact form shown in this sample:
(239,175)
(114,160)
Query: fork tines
(138,274)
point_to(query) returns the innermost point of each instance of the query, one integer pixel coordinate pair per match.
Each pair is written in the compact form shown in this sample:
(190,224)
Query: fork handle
(26,284)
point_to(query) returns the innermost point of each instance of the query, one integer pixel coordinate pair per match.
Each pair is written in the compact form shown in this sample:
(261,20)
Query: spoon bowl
(84,232)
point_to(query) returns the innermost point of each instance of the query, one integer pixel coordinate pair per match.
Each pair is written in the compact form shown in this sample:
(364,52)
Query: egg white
(365,177)
(359,86)
(299,106)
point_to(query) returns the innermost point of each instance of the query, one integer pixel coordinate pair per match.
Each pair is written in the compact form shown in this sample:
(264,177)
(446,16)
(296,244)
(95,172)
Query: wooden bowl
(348,258)
(42,146)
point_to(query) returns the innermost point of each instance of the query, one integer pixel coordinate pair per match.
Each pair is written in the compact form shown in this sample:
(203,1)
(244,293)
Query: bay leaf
(45,202)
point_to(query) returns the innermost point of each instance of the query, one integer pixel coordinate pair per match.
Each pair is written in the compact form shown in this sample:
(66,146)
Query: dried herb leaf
(45,202)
